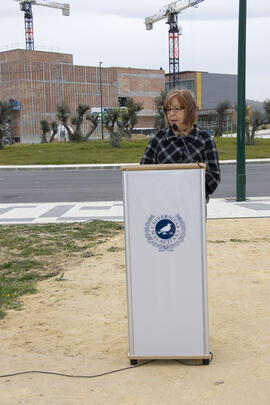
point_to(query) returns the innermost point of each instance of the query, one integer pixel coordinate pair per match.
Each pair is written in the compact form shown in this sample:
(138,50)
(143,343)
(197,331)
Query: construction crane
(170,12)
(26,7)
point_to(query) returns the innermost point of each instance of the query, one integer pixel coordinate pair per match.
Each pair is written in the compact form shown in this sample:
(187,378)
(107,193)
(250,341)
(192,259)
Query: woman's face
(176,113)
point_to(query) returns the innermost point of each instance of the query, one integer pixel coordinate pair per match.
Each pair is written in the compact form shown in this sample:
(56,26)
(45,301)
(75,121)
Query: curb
(109,166)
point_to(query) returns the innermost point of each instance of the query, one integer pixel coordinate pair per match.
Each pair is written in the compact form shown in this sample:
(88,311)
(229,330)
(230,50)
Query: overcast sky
(114,32)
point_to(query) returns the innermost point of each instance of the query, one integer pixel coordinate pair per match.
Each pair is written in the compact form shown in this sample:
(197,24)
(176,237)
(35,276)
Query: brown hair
(187,101)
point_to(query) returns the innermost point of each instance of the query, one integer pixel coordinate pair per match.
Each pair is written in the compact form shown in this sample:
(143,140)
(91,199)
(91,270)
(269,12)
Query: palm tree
(5,112)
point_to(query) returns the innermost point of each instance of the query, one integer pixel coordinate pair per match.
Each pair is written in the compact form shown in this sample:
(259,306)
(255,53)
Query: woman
(182,141)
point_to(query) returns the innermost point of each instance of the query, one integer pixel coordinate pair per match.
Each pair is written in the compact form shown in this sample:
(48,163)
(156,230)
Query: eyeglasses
(175,110)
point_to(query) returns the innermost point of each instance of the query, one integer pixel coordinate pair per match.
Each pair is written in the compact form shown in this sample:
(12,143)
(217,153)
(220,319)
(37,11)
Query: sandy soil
(79,326)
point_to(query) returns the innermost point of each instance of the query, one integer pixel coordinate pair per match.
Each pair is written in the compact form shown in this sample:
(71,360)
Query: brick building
(41,80)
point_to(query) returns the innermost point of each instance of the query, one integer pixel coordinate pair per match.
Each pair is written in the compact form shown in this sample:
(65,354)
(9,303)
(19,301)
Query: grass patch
(239,240)
(217,241)
(30,253)
(98,152)
(114,249)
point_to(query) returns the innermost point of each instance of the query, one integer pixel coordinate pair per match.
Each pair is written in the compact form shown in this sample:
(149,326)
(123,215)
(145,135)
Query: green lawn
(31,253)
(131,151)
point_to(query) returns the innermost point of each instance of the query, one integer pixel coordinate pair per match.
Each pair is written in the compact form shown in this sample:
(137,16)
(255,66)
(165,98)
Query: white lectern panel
(166,263)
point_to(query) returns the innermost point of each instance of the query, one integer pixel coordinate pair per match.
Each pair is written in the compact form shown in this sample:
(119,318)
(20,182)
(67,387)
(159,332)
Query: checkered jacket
(197,146)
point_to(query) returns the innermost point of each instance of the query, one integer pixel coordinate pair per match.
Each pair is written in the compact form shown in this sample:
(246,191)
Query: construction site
(41,80)
(35,82)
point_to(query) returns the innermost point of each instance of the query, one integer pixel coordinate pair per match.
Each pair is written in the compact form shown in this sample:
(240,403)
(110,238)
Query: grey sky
(114,32)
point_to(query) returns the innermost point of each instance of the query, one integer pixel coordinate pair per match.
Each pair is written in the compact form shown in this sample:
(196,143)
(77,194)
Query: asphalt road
(105,185)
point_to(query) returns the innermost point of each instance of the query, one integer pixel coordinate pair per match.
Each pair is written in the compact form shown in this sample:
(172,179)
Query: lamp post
(100,86)
(241,104)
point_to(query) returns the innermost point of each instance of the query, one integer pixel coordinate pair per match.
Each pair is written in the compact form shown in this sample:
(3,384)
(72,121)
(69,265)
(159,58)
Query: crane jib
(26,7)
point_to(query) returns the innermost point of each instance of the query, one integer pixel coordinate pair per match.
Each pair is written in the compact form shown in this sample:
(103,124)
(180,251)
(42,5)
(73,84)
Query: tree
(63,114)
(159,121)
(266,106)
(121,122)
(54,127)
(93,118)
(5,112)
(77,120)
(45,128)
(256,119)
(221,109)
(129,117)
(110,119)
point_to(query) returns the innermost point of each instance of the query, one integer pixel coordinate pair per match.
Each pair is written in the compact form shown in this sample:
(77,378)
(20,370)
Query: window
(122,101)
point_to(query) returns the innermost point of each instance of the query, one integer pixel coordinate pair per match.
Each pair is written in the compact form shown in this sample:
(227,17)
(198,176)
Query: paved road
(105,185)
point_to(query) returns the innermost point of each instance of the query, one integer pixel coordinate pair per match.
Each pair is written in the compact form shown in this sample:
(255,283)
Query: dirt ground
(79,326)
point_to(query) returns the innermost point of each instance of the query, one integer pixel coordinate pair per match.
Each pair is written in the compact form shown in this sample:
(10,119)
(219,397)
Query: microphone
(175,128)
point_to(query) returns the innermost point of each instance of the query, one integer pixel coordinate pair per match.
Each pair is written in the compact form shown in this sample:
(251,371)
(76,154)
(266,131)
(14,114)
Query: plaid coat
(197,146)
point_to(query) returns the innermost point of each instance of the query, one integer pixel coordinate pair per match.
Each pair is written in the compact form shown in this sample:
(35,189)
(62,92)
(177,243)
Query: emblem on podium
(165,232)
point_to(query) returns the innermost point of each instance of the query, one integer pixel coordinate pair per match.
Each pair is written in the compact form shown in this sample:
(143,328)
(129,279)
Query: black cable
(195,364)
(74,376)
(95,375)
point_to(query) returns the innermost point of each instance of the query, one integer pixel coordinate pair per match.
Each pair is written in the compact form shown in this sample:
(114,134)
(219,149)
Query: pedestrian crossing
(42,213)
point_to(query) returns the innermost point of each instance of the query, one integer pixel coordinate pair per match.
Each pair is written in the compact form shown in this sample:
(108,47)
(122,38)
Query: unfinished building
(37,81)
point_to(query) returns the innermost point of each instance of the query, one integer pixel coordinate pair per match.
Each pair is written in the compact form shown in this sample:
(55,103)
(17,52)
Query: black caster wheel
(205,362)
(134,362)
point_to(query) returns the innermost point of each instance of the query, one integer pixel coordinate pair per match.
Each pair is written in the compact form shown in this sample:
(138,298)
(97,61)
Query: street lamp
(100,86)
(241,104)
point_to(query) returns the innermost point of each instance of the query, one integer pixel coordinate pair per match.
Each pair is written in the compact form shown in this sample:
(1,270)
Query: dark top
(197,146)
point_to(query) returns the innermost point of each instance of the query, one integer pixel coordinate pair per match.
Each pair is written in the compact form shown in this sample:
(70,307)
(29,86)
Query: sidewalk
(108,166)
(43,213)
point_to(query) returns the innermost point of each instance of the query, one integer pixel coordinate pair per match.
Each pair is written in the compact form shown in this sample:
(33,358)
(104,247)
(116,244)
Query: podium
(166,270)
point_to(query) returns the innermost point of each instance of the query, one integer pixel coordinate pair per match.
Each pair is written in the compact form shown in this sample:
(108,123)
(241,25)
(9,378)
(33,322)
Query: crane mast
(170,12)
(26,7)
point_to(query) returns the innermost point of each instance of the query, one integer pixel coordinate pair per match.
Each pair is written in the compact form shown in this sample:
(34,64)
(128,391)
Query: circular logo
(165,231)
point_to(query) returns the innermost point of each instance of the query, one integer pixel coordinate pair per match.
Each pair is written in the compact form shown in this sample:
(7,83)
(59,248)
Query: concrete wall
(211,88)
(217,87)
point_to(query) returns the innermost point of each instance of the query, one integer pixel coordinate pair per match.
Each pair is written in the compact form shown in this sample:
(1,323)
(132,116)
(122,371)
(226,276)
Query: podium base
(205,359)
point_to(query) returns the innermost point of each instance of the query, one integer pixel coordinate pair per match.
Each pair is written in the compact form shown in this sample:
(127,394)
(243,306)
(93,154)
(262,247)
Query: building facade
(210,89)
(37,81)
